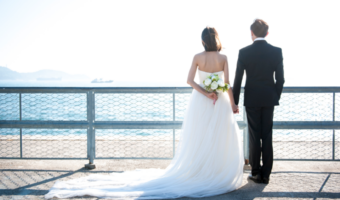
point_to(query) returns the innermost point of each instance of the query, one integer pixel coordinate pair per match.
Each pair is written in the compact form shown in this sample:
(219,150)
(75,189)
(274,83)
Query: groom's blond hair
(259,28)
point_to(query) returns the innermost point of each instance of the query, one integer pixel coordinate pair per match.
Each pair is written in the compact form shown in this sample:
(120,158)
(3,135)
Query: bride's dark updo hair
(210,39)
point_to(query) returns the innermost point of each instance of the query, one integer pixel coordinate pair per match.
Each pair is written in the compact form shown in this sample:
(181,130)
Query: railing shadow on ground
(300,184)
(27,183)
(16,177)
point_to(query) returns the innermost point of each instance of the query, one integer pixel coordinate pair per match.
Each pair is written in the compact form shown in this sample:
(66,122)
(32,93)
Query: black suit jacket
(260,61)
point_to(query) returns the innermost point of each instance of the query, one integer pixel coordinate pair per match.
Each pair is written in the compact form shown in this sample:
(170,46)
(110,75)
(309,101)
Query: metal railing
(144,123)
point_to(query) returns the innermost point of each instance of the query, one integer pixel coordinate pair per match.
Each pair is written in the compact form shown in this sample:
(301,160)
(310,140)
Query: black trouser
(260,126)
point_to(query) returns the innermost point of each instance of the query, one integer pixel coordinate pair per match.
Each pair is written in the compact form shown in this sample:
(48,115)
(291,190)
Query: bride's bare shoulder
(223,56)
(200,55)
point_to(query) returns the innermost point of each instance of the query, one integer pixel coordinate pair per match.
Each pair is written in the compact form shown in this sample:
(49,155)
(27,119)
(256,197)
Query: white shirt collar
(259,38)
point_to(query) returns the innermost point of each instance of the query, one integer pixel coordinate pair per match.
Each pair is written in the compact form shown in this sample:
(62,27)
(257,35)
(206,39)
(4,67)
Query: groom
(261,61)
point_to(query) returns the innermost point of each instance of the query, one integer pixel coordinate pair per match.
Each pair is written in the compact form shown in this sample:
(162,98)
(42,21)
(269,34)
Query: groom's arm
(238,79)
(279,76)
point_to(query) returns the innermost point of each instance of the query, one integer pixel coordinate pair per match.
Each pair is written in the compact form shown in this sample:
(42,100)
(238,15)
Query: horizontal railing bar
(292,159)
(311,89)
(138,158)
(43,124)
(43,158)
(306,125)
(146,158)
(145,89)
(43,90)
(137,125)
(156,124)
(98,125)
(96,90)
(145,125)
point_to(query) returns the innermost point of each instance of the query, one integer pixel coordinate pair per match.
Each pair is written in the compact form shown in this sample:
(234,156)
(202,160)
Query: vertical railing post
(90,130)
(20,118)
(93,145)
(245,137)
(333,145)
(173,131)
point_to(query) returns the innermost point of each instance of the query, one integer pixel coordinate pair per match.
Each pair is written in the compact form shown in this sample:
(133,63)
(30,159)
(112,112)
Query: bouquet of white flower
(213,83)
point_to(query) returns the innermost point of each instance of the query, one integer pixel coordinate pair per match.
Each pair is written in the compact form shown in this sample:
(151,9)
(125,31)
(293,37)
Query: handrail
(91,123)
(145,89)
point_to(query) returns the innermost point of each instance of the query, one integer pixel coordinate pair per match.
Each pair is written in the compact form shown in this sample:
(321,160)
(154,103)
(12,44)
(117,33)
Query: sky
(156,40)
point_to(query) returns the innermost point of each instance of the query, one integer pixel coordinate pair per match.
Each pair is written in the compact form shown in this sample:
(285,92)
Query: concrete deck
(31,179)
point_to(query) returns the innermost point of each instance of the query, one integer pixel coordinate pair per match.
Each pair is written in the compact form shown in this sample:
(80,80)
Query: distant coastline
(41,75)
(86,83)
(49,79)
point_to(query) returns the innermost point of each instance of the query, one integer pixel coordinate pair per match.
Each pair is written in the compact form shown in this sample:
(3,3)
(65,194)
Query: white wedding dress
(209,160)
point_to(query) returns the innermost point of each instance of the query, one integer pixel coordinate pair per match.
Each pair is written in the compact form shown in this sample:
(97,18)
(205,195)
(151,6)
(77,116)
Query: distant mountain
(8,74)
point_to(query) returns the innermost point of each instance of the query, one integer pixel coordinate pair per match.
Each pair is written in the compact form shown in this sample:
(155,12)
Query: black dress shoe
(257,178)
(265,180)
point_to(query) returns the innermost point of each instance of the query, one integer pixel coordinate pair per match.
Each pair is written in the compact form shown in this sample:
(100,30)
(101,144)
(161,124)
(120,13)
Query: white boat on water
(101,81)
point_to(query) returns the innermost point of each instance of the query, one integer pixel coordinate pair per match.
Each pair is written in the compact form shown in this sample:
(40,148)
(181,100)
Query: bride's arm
(230,91)
(193,84)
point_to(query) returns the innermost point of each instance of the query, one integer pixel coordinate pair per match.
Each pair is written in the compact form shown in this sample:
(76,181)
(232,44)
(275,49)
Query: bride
(209,160)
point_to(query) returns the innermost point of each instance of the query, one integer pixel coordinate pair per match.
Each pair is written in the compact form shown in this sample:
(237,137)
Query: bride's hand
(212,96)
(235,109)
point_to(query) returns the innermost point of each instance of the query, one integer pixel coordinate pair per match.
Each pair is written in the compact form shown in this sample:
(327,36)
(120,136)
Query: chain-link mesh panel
(146,143)
(54,143)
(302,144)
(239,117)
(181,104)
(337,145)
(134,107)
(304,107)
(337,106)
(178,133)
(9,106)
(59,106)
(241,134)
(9,142)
